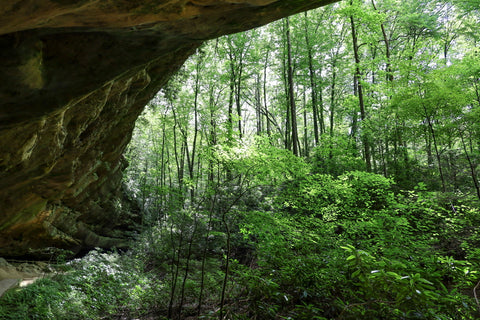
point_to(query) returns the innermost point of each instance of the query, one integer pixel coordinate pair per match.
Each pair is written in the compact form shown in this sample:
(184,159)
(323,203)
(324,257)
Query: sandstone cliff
(74,76)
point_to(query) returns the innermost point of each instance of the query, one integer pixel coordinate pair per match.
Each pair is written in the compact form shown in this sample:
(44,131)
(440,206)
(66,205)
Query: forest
(324,166)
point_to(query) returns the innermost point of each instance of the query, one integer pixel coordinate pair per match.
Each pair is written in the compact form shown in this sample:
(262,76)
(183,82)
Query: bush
(351,195)
(386,289)
(336,156)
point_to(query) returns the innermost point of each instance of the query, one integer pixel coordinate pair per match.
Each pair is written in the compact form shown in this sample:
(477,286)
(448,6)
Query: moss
(31,69)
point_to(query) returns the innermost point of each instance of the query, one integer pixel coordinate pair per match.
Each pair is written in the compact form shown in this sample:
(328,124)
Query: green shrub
(336,156)
(385,289)
(367,191)
(350,195)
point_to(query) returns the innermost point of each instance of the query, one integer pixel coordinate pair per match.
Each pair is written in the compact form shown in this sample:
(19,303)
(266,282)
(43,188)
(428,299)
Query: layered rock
(74,76)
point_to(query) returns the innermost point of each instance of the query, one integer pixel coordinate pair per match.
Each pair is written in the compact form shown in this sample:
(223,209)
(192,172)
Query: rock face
(74,76)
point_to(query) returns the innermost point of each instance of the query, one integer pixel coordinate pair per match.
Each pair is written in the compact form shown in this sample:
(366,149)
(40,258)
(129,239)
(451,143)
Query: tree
(291,92)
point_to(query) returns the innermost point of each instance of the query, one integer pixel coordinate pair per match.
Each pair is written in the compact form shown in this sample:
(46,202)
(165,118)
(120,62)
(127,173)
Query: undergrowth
(326,248)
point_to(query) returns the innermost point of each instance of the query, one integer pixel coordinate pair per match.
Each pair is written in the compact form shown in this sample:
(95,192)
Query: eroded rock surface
(74,76)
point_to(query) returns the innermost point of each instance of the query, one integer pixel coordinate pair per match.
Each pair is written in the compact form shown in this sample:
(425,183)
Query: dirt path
(21,274)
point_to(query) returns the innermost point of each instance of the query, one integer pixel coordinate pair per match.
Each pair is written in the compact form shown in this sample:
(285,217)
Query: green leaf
(393,274)
(351,257)
(425,281)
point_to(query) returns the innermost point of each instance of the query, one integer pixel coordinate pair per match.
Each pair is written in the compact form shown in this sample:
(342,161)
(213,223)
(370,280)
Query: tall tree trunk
(358,84)
(175,269)
(258,105)
(179,158)
(305,127)
(212,202)
(428,146)
(476,84)
(265,100)
(471,165)
(191,155)
(332,95)
(227,265)
(388,66)
(239,107)
(291,93)
(187,264)
(212,136)
(437,152)
(312,84)
(288,121)
(236,70)
(230,100)
(163,171)
(238,91)
(354,130)
(320,109)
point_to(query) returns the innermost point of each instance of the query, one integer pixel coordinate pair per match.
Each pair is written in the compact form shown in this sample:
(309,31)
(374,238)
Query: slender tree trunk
(320,109)
(428,146)
(265,100)
(288,121)
(435,145)
(212,137)
(332,95)
(170,181)
(230,99)
(204,253)
(258,104)
(199,182)
(162,168)
(238,97)
(388,66)
(312,84)
(187,264)
(179,159)
(291,92)
(354,130)
(236,69)
(191,159)
(387,157)
(305,127)
(228,242)
(476,83)
(211,205)
(176,255)
(358,84)
(227,266)
(156,162)
(144,188)
(389,77)
(472,166)
(384,164)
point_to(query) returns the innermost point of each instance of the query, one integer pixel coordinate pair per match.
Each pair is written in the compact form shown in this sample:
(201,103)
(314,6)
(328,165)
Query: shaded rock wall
(74,76)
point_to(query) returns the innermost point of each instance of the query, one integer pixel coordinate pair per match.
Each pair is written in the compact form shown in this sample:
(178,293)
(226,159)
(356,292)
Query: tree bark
(291,92)
(358,84)
(312,85)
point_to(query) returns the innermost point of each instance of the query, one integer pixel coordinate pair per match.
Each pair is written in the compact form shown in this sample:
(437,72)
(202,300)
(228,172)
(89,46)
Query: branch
(475,294)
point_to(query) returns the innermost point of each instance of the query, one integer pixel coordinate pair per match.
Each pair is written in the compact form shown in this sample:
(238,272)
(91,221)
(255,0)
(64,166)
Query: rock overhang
(74,77)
